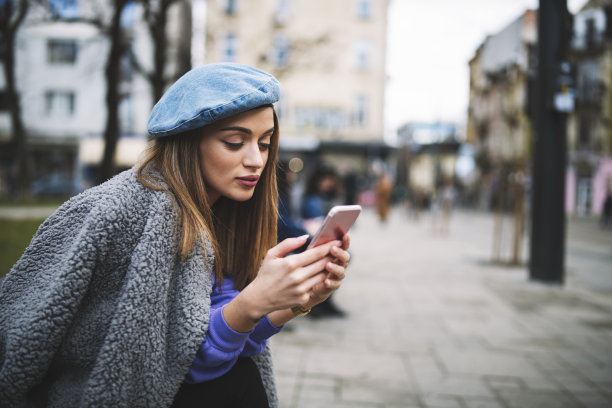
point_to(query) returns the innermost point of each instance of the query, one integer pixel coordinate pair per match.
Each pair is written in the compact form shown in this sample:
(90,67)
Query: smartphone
(336,224)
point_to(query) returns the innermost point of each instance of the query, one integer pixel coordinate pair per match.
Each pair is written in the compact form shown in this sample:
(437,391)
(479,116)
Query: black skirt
(240,387)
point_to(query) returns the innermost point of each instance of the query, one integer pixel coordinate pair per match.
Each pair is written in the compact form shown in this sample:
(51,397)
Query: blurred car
(55,184)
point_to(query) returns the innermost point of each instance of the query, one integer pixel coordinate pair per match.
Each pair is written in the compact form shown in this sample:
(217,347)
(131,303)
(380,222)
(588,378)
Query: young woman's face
(233,153)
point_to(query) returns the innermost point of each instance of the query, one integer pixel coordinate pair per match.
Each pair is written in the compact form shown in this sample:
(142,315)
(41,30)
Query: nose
(253,156)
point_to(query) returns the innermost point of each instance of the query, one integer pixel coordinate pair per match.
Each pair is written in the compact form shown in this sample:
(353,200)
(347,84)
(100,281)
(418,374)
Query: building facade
(498,123)
(428,156)
(589,173)
(329,58)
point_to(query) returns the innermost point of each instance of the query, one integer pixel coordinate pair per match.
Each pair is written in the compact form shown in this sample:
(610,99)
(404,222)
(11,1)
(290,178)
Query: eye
(232,145)
(264,146)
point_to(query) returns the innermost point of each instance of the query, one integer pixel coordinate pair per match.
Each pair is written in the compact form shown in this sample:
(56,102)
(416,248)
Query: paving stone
(574,382)
(488,363)
(286,387)
(372,392)
(331,404)
(537,399)
(336,362)
(318,393)
(441,401)
(455,386)
(543,383)
(471,402)
(594,400)
(504,383)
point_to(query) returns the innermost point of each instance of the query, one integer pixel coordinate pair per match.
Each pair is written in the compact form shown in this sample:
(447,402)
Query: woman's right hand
(282,282)
(285,281)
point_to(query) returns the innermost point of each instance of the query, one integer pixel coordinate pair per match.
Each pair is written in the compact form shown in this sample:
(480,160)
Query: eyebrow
(245,130)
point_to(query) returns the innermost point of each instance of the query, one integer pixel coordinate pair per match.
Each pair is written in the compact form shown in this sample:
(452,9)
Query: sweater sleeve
(256,343)
(223,345)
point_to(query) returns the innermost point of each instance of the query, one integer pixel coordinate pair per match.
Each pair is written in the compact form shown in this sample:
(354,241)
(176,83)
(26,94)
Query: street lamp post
(554,100)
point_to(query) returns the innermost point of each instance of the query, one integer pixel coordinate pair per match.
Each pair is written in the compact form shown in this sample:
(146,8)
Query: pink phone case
(336,224)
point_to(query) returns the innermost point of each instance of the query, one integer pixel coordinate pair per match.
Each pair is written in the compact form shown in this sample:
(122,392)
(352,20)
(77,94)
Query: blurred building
(589,171)
(330,59)
(498,123)
(428,156)
(61,54)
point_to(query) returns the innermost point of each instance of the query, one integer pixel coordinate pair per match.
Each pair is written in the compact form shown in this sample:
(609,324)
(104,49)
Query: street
(431,322)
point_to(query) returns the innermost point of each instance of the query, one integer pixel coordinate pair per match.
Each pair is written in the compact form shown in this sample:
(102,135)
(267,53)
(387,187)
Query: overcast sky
(429,45)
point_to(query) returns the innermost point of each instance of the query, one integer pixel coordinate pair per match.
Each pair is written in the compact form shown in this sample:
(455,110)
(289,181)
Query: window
(230,7)
(319,118)
(67,9)
(280,52)
(362,54)
(59,103)
(591,34)
(4,100)
(585,132)
(360,114)
(363,9)
(128,15)
(282,12)
(61,51)
(126,113)
(126,67)
(229,48)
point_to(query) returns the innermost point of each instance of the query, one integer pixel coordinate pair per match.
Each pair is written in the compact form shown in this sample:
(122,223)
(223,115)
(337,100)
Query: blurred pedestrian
(384,192)
(606,209)
(447,198)
(350,187)
(288,226)
(319,198)
(161,286)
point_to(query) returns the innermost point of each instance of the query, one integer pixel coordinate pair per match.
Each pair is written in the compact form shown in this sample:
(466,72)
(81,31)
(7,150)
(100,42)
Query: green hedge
(15,236)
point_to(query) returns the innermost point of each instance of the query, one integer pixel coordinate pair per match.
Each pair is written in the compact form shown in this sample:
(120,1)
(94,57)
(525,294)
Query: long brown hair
(240,233)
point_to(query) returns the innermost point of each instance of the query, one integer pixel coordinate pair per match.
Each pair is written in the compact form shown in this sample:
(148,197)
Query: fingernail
(304,237)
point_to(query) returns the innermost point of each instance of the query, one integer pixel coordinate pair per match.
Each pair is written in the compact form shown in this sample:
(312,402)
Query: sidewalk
(17,212)
(432,323)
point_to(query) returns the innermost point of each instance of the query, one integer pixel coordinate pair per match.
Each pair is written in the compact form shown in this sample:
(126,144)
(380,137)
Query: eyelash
(233,146)
(236,146)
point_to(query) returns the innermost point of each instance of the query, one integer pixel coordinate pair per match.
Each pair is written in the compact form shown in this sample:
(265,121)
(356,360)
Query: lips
(248,181)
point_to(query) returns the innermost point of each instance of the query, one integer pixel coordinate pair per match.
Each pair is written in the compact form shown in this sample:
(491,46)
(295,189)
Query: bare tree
(118,47)
(12,14)
(156,17)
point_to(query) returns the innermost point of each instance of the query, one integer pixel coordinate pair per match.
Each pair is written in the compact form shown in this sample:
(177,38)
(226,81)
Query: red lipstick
(248,181)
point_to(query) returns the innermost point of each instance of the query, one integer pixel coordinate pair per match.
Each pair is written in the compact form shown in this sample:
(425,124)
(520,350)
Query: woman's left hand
(336,272)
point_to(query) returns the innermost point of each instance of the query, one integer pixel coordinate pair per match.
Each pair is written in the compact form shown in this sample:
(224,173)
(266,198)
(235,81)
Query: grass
(14,238)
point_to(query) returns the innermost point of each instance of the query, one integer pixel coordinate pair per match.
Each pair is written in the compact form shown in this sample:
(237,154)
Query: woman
(159,287)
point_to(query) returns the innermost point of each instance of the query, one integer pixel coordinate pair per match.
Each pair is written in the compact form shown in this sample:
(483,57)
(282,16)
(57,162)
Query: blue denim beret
(209,93)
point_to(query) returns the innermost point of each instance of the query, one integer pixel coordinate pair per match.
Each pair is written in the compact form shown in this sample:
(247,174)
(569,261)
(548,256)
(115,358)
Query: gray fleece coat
(100,311)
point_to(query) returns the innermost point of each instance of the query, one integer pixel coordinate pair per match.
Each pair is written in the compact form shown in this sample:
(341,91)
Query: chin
(244,196)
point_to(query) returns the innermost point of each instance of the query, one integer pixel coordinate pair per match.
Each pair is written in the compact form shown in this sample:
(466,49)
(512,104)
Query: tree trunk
(113,78)
(19,143)
(183,60)
(160,51)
